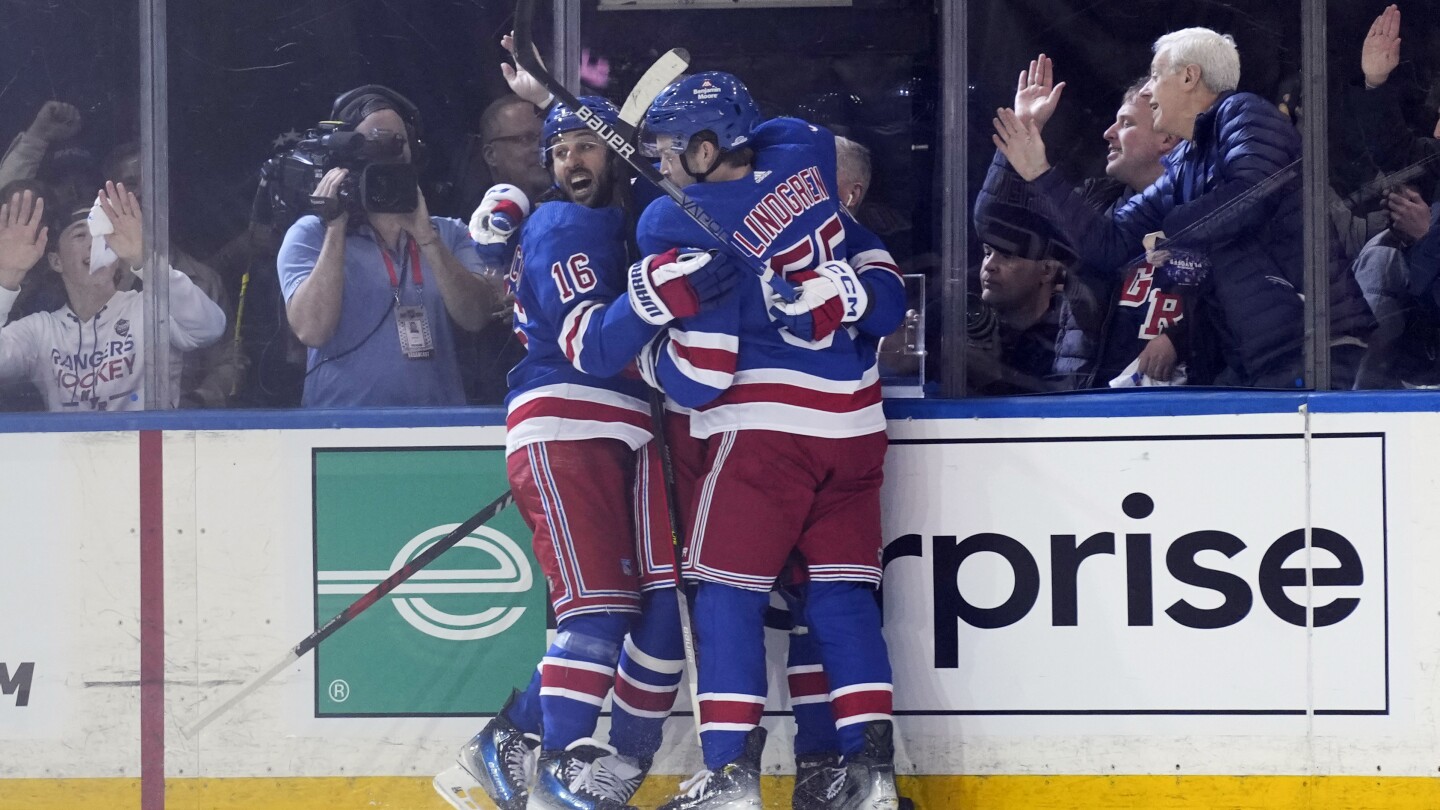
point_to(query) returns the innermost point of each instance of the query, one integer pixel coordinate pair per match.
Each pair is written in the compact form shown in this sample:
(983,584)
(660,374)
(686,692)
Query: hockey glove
(675,283)
(830,296)
(498,215)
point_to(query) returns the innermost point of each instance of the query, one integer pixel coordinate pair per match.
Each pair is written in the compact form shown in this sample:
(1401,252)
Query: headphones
(408,112)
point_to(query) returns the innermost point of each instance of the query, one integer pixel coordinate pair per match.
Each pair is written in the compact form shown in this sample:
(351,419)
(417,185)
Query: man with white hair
(1228,202)
(852,172)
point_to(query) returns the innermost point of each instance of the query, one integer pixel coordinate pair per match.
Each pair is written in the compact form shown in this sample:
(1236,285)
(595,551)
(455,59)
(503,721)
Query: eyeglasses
(561,151)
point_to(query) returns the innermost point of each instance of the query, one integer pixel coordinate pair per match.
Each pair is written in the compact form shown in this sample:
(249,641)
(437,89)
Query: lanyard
(414,262)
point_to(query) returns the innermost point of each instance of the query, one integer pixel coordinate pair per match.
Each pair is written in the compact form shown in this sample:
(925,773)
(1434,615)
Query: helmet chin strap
(700,177)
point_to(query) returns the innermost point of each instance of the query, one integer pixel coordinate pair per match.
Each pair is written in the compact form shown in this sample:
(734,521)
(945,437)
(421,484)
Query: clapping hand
(1020,143)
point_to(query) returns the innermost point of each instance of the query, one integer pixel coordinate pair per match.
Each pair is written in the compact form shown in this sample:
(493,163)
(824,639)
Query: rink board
(1086,607)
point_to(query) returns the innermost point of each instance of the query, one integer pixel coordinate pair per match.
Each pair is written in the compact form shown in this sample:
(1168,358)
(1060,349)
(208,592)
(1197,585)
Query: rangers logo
(122,327)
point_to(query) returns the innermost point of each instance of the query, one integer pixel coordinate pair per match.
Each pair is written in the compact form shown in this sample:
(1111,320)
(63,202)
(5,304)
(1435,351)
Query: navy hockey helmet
(714,101)
(563,119)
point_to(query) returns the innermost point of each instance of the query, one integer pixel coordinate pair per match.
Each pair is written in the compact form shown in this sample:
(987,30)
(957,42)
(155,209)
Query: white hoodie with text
(99,364)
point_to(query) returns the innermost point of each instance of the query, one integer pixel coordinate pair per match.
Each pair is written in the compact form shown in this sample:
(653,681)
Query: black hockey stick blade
(626,151)
(357,607)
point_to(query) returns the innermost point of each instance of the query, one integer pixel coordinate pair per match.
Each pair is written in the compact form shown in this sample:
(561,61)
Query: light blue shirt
(362,364)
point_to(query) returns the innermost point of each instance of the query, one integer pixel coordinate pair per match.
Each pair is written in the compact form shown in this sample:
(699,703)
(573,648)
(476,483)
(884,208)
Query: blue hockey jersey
(579,330)
(732,362)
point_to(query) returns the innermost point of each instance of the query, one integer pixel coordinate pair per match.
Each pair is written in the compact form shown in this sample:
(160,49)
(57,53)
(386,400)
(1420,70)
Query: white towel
(101,256)
(1132,378)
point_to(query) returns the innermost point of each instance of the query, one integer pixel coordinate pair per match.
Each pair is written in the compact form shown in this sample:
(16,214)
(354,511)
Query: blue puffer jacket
(1204,203)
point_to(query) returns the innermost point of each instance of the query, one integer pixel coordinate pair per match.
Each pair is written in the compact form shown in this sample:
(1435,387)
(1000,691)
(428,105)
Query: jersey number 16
(573,277)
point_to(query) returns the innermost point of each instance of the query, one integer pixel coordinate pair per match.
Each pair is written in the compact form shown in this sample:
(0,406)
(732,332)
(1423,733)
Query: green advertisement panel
(456,637)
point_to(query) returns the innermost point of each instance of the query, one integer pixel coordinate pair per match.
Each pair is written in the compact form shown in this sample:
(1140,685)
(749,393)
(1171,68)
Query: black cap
(1009,222)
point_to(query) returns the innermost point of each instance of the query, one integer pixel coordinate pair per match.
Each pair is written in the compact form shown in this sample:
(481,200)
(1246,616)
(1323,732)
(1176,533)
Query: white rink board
(1105,695)
(70,601)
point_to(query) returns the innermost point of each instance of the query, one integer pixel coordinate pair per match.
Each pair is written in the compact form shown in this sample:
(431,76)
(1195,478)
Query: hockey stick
(357,607)
(665,70)
(625,150)
(677,547)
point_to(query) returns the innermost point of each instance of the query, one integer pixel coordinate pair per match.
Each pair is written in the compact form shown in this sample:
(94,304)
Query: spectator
(1398,271)
(355,285)
(1011,349)
(1115,315)
(1398,268)
(1233,143)
(55,122)
(852,172)
(1390,141)
(510,134)
(89,355)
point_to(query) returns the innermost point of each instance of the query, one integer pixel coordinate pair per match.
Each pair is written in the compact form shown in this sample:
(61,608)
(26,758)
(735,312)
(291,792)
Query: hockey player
(788,399)
(574,426)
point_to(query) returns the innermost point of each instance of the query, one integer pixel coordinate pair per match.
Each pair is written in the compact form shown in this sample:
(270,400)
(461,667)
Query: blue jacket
(1208,202)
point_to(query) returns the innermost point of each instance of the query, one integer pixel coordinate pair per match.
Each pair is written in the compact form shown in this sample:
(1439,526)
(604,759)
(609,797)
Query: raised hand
(56,121)
(1036,94)
(521,82)
(22,237)
(123,209)
(1020,143)
(1381,52)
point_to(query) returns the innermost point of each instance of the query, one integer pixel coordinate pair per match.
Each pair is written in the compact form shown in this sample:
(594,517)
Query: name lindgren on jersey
(732,362)
(792,197)
(568,271)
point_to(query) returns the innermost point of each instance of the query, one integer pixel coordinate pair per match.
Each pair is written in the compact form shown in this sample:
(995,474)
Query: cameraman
(369,292)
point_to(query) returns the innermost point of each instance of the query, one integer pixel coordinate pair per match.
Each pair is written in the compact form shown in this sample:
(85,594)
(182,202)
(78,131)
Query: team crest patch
(122,327)
(627,567)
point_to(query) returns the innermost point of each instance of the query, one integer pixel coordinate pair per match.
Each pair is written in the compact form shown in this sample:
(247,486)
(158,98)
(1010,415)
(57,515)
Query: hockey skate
(819,779)
(625,773)
(734,787)
(578,779)
(870,774)
(501,758)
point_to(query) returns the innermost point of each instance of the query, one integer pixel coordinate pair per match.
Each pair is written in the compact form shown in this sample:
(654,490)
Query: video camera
(380,182)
